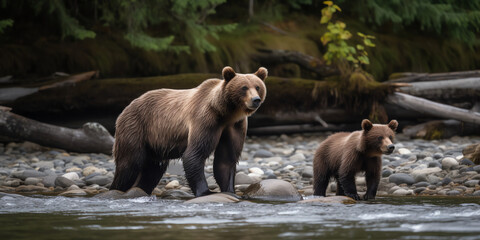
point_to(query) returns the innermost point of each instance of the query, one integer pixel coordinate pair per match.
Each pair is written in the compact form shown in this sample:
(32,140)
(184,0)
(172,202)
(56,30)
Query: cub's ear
(366,125)
(228,73)
(393,125)
(262,73)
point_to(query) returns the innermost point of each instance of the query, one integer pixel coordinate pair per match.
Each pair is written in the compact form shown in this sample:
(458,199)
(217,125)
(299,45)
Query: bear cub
(344,154)
(190,124)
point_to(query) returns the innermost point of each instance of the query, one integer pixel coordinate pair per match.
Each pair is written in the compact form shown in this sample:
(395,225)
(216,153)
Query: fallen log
(439,110)
(407,77)
(301,128)
(10,94)
(270,56)
(91,138)
(467,89)
(440,129)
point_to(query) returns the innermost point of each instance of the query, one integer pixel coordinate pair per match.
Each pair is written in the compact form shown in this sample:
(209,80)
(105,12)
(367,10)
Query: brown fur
(190,124)
(344,154)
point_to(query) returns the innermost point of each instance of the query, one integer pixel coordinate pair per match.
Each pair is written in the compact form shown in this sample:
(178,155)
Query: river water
(46,217)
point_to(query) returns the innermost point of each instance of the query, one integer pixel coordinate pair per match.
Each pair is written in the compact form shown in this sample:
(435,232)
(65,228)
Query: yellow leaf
(328,3)
(337,7)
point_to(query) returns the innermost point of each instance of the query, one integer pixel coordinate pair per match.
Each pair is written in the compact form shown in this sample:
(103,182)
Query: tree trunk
(92,137)
(425,106)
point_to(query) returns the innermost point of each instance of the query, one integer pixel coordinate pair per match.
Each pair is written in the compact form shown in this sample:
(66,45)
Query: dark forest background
(133,38)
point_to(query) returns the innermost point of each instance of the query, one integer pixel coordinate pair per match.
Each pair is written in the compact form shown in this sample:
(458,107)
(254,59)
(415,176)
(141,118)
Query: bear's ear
(262,73)
(228,73)
(366,125)
(393,125)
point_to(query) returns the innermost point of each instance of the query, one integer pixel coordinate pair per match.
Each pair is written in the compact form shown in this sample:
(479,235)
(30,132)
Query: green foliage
(183,20)
(336,36)
(459,20)
(5,23)
(69,26)
(192,16)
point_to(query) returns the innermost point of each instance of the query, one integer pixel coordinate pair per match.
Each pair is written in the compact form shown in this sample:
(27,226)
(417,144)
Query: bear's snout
(390,148)
(256,101)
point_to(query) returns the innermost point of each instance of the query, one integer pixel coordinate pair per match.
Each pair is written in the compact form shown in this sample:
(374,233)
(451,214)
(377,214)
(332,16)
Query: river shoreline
(416,168)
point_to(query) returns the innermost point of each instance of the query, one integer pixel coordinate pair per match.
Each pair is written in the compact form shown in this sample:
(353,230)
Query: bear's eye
(391,138)
(244,88)
(258,88)
(380,138)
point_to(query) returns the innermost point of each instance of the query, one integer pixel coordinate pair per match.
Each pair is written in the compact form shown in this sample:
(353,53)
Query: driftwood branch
(425,106)
(310,63)
(92,137)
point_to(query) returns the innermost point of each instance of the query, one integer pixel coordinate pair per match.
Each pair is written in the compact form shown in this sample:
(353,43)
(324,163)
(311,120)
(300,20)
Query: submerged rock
(176,194)
(73,193)
(215,198)
(272,190)
(112,194)
(134,192)
(330,200)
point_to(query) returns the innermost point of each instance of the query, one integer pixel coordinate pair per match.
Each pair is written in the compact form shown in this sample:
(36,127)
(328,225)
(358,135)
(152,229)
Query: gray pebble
(467,162)
(49,181)
(63,182)
(446,181)
(419,190)
(471,183)
(99,179)
(399,178)
(438,155)
(263,154)
(386,173)
(421,184)
(453,193)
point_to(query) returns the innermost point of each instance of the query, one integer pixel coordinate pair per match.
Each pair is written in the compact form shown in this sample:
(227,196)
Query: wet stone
(272,190)
(421,184)
(467,162)
(63,182)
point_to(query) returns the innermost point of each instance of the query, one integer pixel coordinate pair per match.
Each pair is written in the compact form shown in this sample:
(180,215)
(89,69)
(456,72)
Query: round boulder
(272,190)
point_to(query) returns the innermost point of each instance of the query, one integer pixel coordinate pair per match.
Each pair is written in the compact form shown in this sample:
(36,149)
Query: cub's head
(245,91)
(378,138)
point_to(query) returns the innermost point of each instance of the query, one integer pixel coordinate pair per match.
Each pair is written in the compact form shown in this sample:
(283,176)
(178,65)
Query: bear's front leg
(227,153)
(372,177)
(347,182)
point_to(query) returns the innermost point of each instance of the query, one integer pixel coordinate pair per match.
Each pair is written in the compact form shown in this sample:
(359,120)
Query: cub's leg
(372,177)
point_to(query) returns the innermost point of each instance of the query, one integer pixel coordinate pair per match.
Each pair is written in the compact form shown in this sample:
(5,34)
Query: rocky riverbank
(417,167)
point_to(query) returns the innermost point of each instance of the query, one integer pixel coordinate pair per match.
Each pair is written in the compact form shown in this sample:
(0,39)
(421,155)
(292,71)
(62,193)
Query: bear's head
(378,138)
(245,91)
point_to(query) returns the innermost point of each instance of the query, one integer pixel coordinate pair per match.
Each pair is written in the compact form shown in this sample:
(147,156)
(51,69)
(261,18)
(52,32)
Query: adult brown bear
(344,154)
(190,124)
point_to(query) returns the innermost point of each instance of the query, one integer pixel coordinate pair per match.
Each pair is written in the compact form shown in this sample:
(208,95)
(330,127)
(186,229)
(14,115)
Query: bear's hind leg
(128,165)
(340,191)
